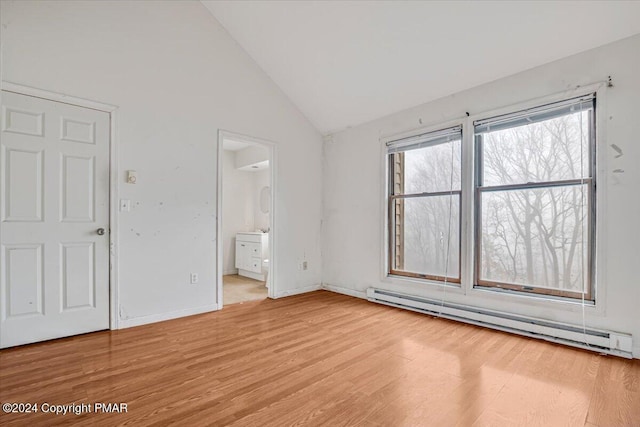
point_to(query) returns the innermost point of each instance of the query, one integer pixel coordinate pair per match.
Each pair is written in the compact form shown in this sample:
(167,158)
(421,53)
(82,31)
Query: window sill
(540,296)
(497,299)
(566,305)
(432,284)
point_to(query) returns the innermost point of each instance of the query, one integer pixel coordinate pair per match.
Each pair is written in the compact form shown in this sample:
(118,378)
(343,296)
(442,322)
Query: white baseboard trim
(636,352)
(344,291)
(297,291)
(228,272)
(153,318)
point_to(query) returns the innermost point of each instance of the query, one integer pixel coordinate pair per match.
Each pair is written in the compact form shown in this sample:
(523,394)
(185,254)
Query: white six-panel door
(54,201)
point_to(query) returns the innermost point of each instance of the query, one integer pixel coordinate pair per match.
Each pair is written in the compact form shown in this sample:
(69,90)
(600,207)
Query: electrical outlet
(304,265)
(193,278)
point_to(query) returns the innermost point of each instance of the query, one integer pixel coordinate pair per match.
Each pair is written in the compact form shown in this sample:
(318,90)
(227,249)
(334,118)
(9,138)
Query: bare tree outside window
(534,204)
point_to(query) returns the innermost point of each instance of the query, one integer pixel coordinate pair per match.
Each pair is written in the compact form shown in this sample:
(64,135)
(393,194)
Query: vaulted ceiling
(344,63)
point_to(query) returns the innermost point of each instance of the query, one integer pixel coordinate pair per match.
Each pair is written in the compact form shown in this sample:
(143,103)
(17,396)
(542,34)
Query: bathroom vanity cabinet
(252,248)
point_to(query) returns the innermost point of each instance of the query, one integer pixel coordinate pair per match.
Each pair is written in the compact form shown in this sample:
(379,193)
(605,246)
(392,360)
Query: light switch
(125,205)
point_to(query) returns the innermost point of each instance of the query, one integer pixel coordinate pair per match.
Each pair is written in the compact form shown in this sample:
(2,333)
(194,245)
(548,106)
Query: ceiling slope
(346,63)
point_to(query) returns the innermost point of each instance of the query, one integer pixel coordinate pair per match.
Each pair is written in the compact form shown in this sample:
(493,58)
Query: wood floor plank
(319,359)
(616,393)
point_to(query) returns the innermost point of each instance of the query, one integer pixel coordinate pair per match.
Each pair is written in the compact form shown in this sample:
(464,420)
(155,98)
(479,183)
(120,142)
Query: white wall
(238,208)
(177,78)
(261,179)
(250,156)
(353,168)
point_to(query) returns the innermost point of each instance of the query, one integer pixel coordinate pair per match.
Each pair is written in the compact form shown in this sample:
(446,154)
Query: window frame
(591,203)
(479,109)
(391,197)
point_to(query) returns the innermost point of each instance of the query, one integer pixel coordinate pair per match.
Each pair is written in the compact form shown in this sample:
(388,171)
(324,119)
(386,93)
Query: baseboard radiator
(614,343)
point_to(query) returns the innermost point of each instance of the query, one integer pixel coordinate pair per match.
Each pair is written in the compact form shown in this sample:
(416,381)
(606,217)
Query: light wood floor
(320,359)
(238,288)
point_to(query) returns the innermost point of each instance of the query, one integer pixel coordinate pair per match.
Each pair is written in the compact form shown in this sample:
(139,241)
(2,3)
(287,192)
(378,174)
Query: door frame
(273,163)
(112,110)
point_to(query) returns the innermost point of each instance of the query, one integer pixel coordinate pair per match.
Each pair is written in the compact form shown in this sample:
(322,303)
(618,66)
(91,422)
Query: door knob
(100,231)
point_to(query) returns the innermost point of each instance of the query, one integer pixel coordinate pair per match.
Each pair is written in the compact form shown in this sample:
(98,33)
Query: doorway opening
(245,225)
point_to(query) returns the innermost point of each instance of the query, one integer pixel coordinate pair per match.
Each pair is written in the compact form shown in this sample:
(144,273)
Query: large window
(528,196)
(424,205)
(534,200)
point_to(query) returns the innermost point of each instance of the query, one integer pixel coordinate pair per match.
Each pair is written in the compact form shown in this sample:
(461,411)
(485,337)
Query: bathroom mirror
(265,199)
